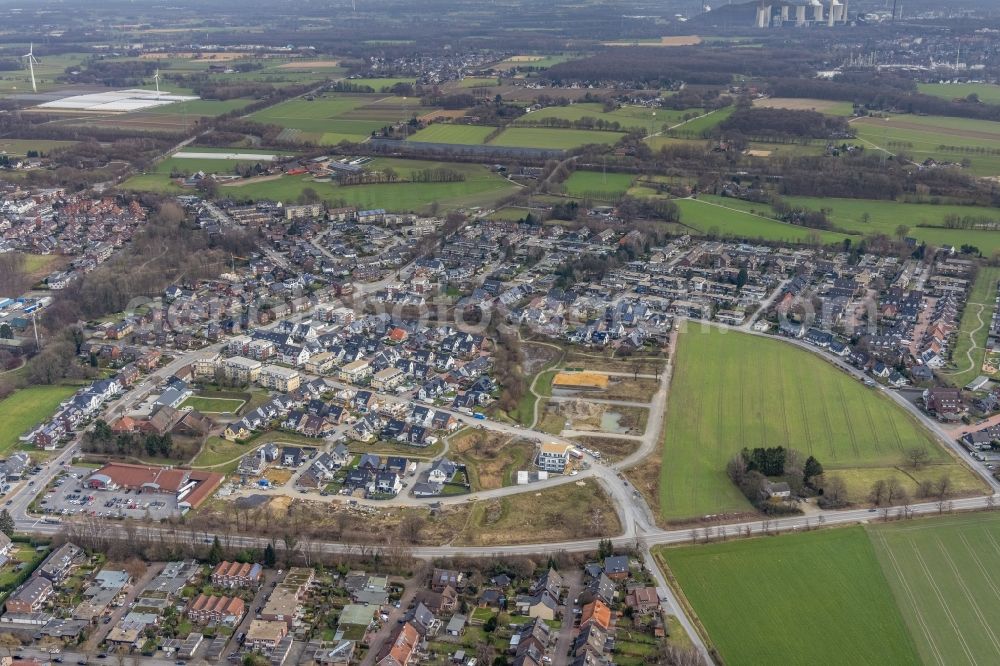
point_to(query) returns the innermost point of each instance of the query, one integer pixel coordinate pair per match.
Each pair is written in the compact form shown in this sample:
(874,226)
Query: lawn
(731,390)
(974,328)
(330,115)
(597,185)
(457,134)
(208,405)
(27,407)
(553,139)
(218,451)
(729,220)
(942,572)
(795,599)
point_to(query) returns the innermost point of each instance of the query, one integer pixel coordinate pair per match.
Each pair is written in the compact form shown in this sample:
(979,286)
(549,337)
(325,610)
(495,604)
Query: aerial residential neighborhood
(499,334)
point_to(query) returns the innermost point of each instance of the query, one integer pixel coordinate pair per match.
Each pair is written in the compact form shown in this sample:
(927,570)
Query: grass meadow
(25,408)
(925,221)
(729,218)
(814,597)
(942,138)
(457,134)
(629,117)
(596,185)
(553,139)
(987,92)
(731,390)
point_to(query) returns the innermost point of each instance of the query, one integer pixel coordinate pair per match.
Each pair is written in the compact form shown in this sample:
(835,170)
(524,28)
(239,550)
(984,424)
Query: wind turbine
(30,55)
(156,77)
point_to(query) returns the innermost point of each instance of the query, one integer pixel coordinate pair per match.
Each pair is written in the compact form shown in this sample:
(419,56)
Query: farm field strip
(551,138)
(814,593)
(942,573)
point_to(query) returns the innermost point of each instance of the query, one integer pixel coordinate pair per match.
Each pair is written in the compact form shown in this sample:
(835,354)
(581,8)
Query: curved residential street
(638,523)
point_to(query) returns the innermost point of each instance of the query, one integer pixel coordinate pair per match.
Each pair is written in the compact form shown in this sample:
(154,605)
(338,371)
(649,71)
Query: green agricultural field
(458,134)
(380,85)
(629,117)
(27,407)
(884,216)
(731,390)
(796,599)
(698,127)
(942,138)
(599,186)
(538,62)
(480,187)
(21,147)
(987,92)
(477,82)
(942,572)
(970,342)
(729,219)
(48,69)
(208,405)
(553,139)
(158,180)
(203,107)
(311,116)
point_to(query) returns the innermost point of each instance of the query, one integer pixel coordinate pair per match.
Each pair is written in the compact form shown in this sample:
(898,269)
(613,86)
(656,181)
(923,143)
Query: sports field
(815,597)
(553,139)
(973,330)
(939,137)
(943,574)
(731,390)
(27,407)
(596,185)
(729,218)
(459,134)
(207,405)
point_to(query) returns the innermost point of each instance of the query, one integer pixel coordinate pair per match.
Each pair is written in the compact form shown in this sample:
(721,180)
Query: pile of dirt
(580,410)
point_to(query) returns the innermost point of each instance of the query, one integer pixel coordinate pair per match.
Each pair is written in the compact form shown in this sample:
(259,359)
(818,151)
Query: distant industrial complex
(801,13)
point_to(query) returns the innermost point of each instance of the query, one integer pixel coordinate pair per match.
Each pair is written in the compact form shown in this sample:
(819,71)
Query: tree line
(101,439)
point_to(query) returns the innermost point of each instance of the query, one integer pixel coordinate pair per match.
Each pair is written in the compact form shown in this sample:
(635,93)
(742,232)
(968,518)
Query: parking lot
(70,497)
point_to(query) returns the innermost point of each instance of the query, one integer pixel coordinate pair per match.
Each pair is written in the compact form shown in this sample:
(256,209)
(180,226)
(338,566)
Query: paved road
(638,525)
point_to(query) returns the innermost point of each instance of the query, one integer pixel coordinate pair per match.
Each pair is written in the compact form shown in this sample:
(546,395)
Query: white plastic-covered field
(117,101)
